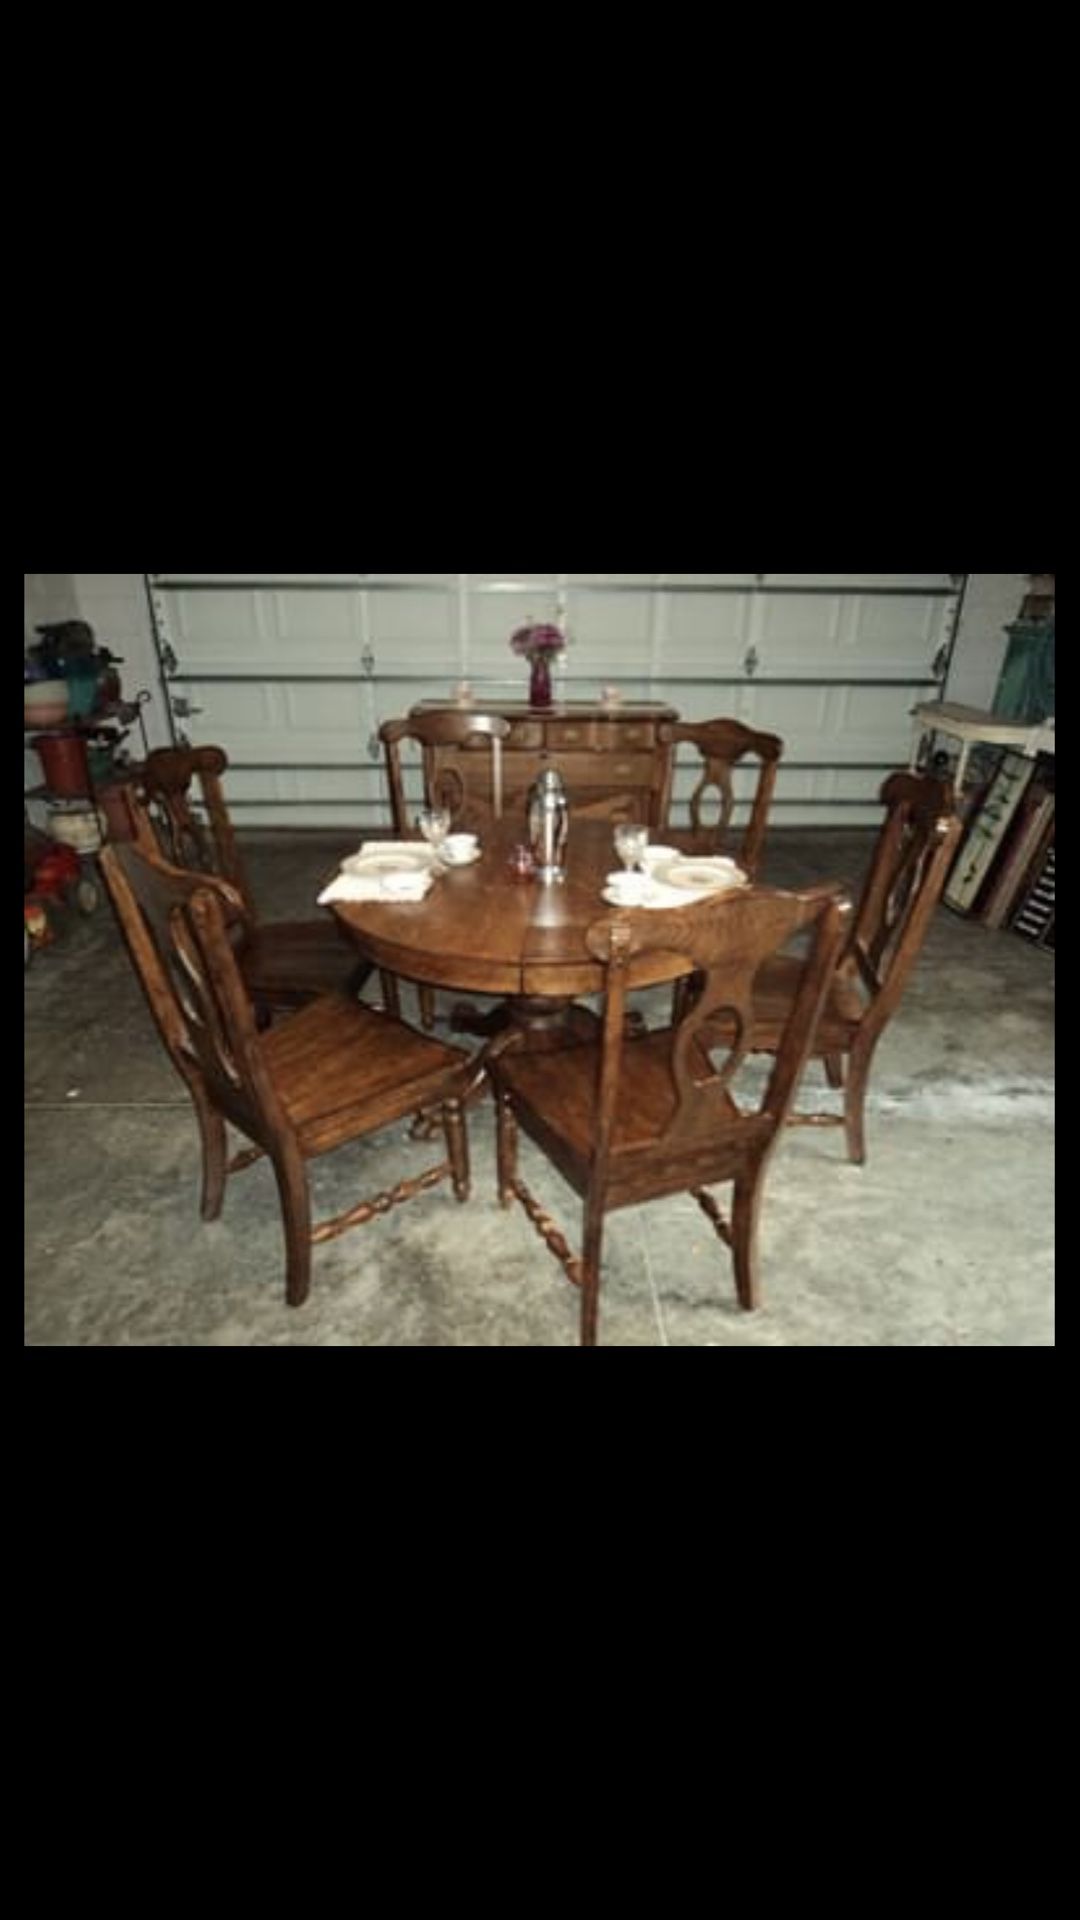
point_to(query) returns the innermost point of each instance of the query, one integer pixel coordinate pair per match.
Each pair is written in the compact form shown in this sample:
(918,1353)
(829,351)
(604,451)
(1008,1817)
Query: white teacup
(459,848)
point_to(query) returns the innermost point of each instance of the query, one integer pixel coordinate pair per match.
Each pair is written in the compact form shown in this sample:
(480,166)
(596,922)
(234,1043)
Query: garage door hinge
(168,658)
(367,661)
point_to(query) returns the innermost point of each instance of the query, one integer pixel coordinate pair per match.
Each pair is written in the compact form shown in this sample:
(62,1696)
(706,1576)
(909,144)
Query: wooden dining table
(484,930)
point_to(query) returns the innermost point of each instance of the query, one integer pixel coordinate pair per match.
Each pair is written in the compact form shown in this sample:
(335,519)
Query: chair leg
(427,1007)
(506,1148)
(358,979)
(390,994)
(457,1146)
(296,1218)
(745,1213)
(214,1156)
(590,1274)
(834,1070)
(683,995)
(858,1079)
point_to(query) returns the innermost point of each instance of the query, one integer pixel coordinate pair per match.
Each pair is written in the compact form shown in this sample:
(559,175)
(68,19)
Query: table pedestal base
(544,1025)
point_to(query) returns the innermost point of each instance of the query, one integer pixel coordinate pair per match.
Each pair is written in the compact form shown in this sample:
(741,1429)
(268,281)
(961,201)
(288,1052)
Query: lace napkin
(390,870)
(377,886)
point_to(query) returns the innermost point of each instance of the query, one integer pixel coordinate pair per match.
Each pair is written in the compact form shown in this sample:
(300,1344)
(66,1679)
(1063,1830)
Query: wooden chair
(336,1071)
(627,1120)
(285,963)
(723,744)
(469,785)
(911,861)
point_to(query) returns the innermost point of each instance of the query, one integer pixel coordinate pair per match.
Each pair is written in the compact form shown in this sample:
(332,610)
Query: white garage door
(293,673)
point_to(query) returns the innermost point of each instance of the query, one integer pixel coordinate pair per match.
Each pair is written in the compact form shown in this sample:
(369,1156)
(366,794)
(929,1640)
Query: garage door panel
(248,708)
(329,623)
(492,618)
(876,712)
(893,583)
(894,631)
(330,707)
(696,580)
(694,622)
(437,581)
(425,624)
(210,624)
(613,621)
(786,710)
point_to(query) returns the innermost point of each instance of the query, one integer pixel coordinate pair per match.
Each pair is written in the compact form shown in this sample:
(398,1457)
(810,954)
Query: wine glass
(631,845)
(434,823)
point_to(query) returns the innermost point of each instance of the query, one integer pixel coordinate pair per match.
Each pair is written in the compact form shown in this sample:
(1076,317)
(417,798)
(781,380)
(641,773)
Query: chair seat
(342,1069)
(775,992)
(559,1091)
(774,996)
(292,961)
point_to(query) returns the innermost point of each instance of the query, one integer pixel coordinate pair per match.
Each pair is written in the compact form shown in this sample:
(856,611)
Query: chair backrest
(907,873)
(182,837)
(446,777)
(727,941)
(722,744)
(179,928)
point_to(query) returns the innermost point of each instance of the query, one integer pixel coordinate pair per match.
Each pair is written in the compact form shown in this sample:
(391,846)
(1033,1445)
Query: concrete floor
(944,1239)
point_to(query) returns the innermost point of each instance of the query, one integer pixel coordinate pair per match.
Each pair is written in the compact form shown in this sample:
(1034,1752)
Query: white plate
(370,865)
(703,876)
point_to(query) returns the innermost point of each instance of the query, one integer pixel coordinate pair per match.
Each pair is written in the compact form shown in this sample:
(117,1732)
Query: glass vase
(540,681)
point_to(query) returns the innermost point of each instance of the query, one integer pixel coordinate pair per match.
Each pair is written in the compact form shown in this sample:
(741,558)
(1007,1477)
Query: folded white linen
(397,887)
(653,892)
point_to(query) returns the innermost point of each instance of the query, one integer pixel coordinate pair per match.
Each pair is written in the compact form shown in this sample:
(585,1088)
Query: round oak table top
(482,930)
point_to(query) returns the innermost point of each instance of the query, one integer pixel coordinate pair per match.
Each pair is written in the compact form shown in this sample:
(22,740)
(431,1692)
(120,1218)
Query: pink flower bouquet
(530,641)
(539,645)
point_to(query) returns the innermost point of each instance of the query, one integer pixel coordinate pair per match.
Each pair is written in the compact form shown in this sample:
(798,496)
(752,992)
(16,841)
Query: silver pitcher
(549,826)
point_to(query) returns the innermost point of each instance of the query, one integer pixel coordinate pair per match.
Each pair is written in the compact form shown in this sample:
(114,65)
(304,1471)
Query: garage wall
(47,596)
(992,601)
(117,607)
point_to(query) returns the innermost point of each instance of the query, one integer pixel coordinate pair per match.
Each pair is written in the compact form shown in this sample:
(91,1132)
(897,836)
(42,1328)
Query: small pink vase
(540,681)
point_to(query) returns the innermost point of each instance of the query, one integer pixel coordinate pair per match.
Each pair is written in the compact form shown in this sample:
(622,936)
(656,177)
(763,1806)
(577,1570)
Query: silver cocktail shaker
(549,825)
